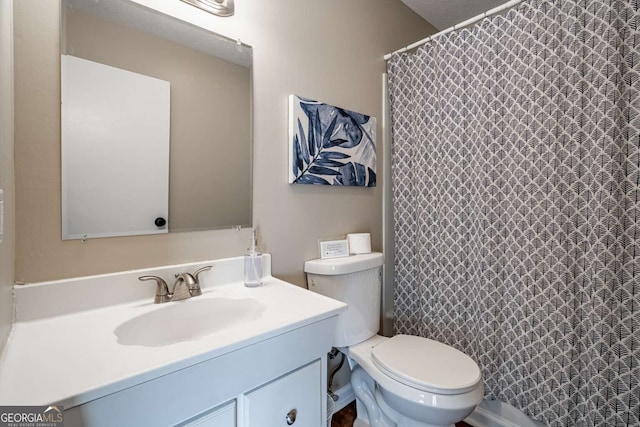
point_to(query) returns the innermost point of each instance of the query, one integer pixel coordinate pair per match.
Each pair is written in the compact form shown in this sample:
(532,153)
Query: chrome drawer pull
(291,416)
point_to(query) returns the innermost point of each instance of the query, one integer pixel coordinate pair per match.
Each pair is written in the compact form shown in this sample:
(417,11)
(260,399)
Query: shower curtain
(516,189)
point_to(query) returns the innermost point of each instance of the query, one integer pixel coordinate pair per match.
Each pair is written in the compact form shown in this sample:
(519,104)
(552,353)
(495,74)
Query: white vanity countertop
(73,358)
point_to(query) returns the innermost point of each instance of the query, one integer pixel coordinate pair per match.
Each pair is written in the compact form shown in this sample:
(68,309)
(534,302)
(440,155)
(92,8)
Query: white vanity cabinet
(257,385)
(290,400)
(295,399)
(247,371)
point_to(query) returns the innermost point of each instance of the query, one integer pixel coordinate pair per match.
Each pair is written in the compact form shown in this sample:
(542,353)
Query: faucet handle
(200,270)
(162,290)
(195,289)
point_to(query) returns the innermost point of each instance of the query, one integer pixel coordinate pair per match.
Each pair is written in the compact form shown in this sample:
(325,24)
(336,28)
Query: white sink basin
(187,320)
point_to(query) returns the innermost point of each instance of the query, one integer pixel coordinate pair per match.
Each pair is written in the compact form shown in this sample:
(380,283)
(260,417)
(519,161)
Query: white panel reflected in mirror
(115,151)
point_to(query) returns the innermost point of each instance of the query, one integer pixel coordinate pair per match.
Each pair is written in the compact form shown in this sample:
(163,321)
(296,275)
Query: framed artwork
(330,145)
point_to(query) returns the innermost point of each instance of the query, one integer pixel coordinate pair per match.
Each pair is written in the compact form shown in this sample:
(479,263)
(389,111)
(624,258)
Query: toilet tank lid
(344,265)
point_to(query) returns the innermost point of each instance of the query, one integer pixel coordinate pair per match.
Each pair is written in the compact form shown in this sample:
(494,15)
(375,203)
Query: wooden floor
(346,416)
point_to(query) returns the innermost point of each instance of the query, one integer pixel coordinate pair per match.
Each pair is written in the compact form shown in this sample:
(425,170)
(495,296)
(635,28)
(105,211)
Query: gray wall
(330,50)
(7,249)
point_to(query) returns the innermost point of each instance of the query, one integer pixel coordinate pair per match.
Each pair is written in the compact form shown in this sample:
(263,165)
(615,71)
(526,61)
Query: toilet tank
(357,281)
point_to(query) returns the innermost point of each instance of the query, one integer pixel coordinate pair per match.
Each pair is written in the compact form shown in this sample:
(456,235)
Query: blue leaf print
(297,160)
(323,147)
(350,129)
(347,124)
(303,144)
(372,178)
(334,143)
(329,163)
(361,174)
(354,174)
(358,117)
(332,155)
(329,132)
(312,139)
(318,132)
(347,175)
(312,179)
(321,170)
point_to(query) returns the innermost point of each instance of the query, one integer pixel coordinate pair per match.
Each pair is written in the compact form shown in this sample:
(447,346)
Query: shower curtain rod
(462,24)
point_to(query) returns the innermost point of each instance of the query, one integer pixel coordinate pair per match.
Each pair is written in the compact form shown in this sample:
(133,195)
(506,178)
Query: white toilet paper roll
(359,243)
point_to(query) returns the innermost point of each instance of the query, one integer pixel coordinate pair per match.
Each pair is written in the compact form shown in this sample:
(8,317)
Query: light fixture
(216,7)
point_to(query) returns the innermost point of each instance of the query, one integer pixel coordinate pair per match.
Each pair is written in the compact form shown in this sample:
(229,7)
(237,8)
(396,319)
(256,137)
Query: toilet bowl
(403,381)
(415,382)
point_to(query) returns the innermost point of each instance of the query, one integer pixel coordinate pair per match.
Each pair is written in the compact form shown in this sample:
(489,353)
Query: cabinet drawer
(223,416)
(299,391)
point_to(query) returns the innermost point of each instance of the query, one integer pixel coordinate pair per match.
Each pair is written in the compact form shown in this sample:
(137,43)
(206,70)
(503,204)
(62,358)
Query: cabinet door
(224,416)
(299,391)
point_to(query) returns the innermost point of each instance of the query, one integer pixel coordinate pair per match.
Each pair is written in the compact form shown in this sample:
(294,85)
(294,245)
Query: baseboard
(345,396)
(499,414)
(481,417)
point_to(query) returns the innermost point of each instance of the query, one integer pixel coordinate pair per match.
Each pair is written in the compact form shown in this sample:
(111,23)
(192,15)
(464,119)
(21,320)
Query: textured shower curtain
(517,204)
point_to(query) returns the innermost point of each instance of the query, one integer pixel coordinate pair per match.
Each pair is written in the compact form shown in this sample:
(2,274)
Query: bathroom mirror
(209,133)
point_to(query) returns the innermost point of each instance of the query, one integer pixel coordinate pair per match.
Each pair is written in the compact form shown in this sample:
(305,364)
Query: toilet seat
(426,365)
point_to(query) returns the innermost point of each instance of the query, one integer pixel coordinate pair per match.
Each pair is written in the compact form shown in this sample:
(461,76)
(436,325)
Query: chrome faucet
(186,286)
(191,281)
(181,287)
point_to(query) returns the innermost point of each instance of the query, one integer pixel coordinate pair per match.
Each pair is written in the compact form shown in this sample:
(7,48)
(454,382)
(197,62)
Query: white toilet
(403,381)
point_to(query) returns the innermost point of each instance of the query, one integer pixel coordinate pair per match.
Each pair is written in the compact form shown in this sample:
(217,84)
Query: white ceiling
(445,13)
